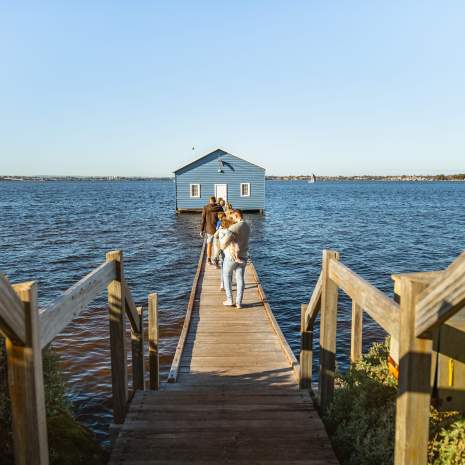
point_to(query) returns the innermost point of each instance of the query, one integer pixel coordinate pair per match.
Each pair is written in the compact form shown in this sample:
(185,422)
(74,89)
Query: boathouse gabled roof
(220,152)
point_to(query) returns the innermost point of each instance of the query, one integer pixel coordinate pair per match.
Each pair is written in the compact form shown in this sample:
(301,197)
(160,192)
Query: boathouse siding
(209,174)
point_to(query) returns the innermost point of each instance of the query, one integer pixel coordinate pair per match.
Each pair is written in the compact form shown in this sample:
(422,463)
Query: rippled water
(57,232)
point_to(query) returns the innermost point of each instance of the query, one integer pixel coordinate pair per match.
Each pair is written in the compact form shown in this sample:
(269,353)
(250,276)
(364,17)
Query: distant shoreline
(402,178)
(405,178)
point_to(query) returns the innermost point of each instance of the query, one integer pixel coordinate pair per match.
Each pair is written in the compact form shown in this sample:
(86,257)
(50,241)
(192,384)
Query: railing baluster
(329,298)
(154,363)
(414,389)
(306,351)
(356,333)
(119,371)
(137,348)
(26,383)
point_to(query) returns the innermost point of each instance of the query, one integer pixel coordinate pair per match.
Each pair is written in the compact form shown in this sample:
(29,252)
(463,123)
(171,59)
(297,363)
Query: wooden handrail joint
(12,317)
(442,299)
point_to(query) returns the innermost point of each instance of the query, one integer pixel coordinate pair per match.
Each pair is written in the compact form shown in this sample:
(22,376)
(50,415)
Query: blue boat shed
(224,175)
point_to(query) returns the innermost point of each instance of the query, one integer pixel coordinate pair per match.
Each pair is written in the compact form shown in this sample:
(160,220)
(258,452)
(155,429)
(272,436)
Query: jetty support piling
(154,356)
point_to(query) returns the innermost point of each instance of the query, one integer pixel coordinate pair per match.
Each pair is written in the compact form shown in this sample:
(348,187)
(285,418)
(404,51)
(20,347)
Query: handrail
(131,309)
(380,307)
(314,305)
(29,330)
(444,297)
(55,317)
(175,365)
(12,318)
(427,300)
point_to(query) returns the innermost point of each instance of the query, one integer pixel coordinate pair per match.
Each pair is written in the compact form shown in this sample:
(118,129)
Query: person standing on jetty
(208,226)
(237,260)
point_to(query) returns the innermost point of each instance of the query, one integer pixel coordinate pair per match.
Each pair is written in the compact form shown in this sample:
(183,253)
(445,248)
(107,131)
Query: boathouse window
(245,189)
(195,191)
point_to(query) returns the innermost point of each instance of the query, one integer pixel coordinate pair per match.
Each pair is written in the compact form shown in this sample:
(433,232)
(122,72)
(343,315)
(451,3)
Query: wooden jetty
(235,393)
(232,394)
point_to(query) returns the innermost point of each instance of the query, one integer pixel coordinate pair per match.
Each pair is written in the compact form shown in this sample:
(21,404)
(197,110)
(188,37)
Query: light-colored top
(221,234)
(241,232)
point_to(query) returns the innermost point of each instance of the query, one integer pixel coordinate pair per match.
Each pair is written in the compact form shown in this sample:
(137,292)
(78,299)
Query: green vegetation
(361,420)
(69,442)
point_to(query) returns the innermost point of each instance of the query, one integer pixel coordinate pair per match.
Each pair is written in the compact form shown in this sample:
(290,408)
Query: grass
(69,442)
(361,419)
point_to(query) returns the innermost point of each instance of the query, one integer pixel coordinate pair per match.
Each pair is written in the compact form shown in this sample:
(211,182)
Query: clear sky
(331,87)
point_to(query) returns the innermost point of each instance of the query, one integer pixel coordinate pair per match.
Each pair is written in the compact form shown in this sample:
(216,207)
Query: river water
(56,232)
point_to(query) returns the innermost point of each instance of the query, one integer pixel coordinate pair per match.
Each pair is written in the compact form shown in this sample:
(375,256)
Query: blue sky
(331,87)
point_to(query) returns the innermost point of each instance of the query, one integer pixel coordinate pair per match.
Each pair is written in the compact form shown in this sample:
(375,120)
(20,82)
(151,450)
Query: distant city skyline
(124,89)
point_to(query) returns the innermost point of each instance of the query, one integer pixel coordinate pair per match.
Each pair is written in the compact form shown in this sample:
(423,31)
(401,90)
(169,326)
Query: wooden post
(329,299)
(154,363)
(137,347)
(306,351)
(119,371)
(414,391)
(357,333)
(26,386)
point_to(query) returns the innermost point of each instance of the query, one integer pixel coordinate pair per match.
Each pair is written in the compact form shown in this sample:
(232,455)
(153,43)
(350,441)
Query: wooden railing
(28,330)
(427,300)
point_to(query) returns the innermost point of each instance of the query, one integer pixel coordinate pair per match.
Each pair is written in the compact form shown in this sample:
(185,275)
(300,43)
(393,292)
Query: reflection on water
(57,232)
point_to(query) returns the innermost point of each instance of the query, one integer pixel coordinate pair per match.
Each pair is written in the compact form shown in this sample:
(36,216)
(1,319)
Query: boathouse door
(221,191)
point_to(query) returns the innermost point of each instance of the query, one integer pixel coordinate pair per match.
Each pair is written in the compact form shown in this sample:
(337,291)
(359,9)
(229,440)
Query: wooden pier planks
(235,399)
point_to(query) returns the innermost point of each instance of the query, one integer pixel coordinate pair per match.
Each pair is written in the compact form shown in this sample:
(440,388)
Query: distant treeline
(405,177)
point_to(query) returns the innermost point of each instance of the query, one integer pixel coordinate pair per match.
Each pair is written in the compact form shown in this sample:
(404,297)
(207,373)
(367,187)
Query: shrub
(447,444)
(362,416)
(361,419)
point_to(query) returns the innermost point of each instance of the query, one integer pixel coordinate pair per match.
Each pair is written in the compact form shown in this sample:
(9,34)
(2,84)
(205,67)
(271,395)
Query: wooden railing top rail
(174,370)
(131,309)
(444,297)
(55,317)
(12,318)
(374,302)
(314,305)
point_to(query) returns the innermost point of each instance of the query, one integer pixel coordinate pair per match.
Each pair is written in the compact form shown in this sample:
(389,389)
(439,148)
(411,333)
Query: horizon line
(455,173)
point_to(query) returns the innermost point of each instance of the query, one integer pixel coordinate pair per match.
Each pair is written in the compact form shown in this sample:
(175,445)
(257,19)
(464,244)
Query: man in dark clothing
(208,227)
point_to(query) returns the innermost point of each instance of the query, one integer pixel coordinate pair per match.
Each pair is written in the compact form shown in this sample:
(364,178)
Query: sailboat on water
(312,179)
